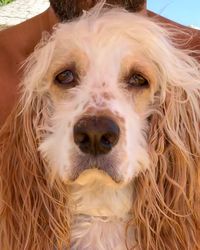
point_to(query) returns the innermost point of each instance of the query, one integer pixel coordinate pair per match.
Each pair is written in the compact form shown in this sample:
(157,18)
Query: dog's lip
(104,165)
(96,168)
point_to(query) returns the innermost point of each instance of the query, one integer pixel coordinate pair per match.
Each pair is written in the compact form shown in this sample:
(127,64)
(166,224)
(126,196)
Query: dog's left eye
(138,81)
(66,78)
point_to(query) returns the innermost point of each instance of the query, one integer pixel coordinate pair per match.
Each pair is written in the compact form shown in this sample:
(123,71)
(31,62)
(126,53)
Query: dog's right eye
(138,81)
(67,78)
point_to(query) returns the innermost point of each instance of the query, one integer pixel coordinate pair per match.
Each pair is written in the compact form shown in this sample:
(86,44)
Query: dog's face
(101,82)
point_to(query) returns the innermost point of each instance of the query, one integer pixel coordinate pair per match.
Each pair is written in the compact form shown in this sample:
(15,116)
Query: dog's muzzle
(96,135)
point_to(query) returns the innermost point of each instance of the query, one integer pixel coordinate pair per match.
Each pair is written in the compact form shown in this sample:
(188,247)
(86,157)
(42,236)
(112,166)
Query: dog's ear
(34,214)
(169,199)
(35,68)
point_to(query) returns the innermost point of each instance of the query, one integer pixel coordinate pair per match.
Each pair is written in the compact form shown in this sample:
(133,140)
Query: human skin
(18,42)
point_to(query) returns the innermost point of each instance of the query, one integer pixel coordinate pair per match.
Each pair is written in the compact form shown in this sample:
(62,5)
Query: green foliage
(4,2)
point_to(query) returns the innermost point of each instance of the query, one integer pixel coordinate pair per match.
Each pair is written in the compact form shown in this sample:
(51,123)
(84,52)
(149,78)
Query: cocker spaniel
(102,151)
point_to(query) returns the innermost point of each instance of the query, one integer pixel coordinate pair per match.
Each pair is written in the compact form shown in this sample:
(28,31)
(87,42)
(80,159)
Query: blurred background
(186,12)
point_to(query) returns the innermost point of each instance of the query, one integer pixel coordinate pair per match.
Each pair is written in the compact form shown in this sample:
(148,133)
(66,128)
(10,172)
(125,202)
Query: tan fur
(34,215)
(36,209)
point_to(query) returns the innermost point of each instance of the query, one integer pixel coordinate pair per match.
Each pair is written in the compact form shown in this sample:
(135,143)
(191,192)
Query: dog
(102,150)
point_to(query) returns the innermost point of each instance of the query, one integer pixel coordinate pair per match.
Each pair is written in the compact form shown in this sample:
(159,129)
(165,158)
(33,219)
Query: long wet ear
(33,213)
(166,208)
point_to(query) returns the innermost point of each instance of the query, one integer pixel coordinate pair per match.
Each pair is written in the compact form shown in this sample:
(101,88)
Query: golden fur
(36,213)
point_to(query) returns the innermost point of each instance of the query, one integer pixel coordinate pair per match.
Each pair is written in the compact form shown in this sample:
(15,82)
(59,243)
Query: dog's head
(101,76)
(107,97)
(101,81)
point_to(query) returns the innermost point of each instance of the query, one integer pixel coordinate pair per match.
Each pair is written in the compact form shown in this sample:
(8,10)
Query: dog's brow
(68,66)
(129,67)
(75,60)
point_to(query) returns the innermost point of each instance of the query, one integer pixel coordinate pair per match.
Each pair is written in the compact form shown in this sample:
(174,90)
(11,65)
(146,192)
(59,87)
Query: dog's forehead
(100,40)
(98,47)
(105,51)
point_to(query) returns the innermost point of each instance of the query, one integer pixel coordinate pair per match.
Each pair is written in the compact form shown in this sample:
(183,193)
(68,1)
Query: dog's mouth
(95,168)
(96,138)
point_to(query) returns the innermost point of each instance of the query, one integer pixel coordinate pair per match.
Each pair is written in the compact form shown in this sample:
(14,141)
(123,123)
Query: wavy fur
(36,211)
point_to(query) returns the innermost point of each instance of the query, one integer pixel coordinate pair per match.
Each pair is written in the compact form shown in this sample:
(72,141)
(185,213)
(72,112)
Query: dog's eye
(66,78)
(138,81)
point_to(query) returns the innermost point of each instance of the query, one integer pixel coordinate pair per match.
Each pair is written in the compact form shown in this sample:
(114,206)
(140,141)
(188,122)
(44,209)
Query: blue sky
(186,12)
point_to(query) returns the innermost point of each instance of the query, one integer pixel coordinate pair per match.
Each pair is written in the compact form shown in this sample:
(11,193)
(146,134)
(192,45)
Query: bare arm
(190,37)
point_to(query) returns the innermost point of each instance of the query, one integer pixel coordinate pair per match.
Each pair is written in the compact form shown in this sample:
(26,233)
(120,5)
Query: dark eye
(138,81)
(66,78)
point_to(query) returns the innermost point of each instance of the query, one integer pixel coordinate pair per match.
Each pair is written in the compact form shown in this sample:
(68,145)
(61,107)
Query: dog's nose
(96,135)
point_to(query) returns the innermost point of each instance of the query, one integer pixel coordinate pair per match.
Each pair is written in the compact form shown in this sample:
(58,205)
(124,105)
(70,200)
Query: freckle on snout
(107,96)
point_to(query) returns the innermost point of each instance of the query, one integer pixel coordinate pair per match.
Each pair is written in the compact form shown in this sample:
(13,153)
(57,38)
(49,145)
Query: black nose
(96,134)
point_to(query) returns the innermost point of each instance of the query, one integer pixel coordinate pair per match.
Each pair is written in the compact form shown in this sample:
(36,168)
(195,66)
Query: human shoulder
(189,36)
(10,59)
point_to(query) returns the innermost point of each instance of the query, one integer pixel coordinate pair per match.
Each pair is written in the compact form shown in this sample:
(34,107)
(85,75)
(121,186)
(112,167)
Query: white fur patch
(104,49)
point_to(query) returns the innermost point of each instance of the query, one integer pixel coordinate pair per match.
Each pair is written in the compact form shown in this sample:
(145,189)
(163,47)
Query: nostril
(109,139)
(105,140)
(82,138)
(83,141)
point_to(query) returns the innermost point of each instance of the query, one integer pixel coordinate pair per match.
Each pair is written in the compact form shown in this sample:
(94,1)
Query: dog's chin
(95,175)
